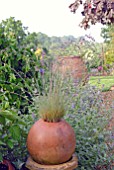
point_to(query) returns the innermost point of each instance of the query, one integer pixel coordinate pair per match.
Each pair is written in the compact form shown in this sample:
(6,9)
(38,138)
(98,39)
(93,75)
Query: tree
(107,33)
(31,41)
(109,39)
(94,11)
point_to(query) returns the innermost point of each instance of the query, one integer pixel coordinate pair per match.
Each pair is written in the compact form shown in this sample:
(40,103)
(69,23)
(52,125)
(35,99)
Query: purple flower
(100,68)
(33,115)
(73,105)
(42,71)
(43,53)
(112,136)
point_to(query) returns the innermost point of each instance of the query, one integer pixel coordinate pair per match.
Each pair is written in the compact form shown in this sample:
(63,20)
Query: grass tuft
(52,105)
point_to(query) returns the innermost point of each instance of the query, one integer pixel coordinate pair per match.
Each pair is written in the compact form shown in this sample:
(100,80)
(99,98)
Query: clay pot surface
(51,142)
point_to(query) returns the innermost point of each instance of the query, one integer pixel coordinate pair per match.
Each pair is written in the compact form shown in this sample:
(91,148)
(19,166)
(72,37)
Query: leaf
(6,105)
(10,144)
(12,77)
(1,68)
(10,115)
(15,132)
(1,158)
(2,120)
(2,143)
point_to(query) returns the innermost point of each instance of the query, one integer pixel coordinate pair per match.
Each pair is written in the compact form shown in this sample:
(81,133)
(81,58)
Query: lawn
(104,82)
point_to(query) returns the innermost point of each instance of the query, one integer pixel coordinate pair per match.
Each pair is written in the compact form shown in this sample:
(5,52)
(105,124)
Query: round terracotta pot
(51,142)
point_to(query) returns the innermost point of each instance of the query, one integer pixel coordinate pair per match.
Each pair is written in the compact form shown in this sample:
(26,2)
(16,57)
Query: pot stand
(69,165)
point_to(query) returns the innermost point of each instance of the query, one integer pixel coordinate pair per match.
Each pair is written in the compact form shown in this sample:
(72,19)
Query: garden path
(108,99)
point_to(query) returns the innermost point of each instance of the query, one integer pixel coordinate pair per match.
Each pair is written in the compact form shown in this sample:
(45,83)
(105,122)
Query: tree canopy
(108,34)
(94,11)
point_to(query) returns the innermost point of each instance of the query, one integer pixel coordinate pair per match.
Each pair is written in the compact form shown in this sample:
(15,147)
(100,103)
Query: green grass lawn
(102,82)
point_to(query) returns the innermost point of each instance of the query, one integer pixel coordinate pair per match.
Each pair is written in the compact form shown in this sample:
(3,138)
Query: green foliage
(87,114)
(105,34)
(89,118)
(24,76)
(108,35)
(20,79)
(84,47)
(66,46)
(18,73)
(13,132)
(91,52)
(31,41)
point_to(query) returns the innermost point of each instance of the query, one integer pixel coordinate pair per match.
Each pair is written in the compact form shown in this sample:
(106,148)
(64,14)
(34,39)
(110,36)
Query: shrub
(20,79)
(13,133)
(89,118)
(19,67)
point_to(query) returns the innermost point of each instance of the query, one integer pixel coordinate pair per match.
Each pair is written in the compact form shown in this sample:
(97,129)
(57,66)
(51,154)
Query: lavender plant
(89,118)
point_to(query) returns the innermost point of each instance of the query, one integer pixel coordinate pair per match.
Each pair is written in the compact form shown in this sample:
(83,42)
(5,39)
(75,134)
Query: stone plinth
(72,164)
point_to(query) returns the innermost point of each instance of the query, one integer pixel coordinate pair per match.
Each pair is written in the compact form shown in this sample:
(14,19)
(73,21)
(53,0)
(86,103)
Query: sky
(52,17)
